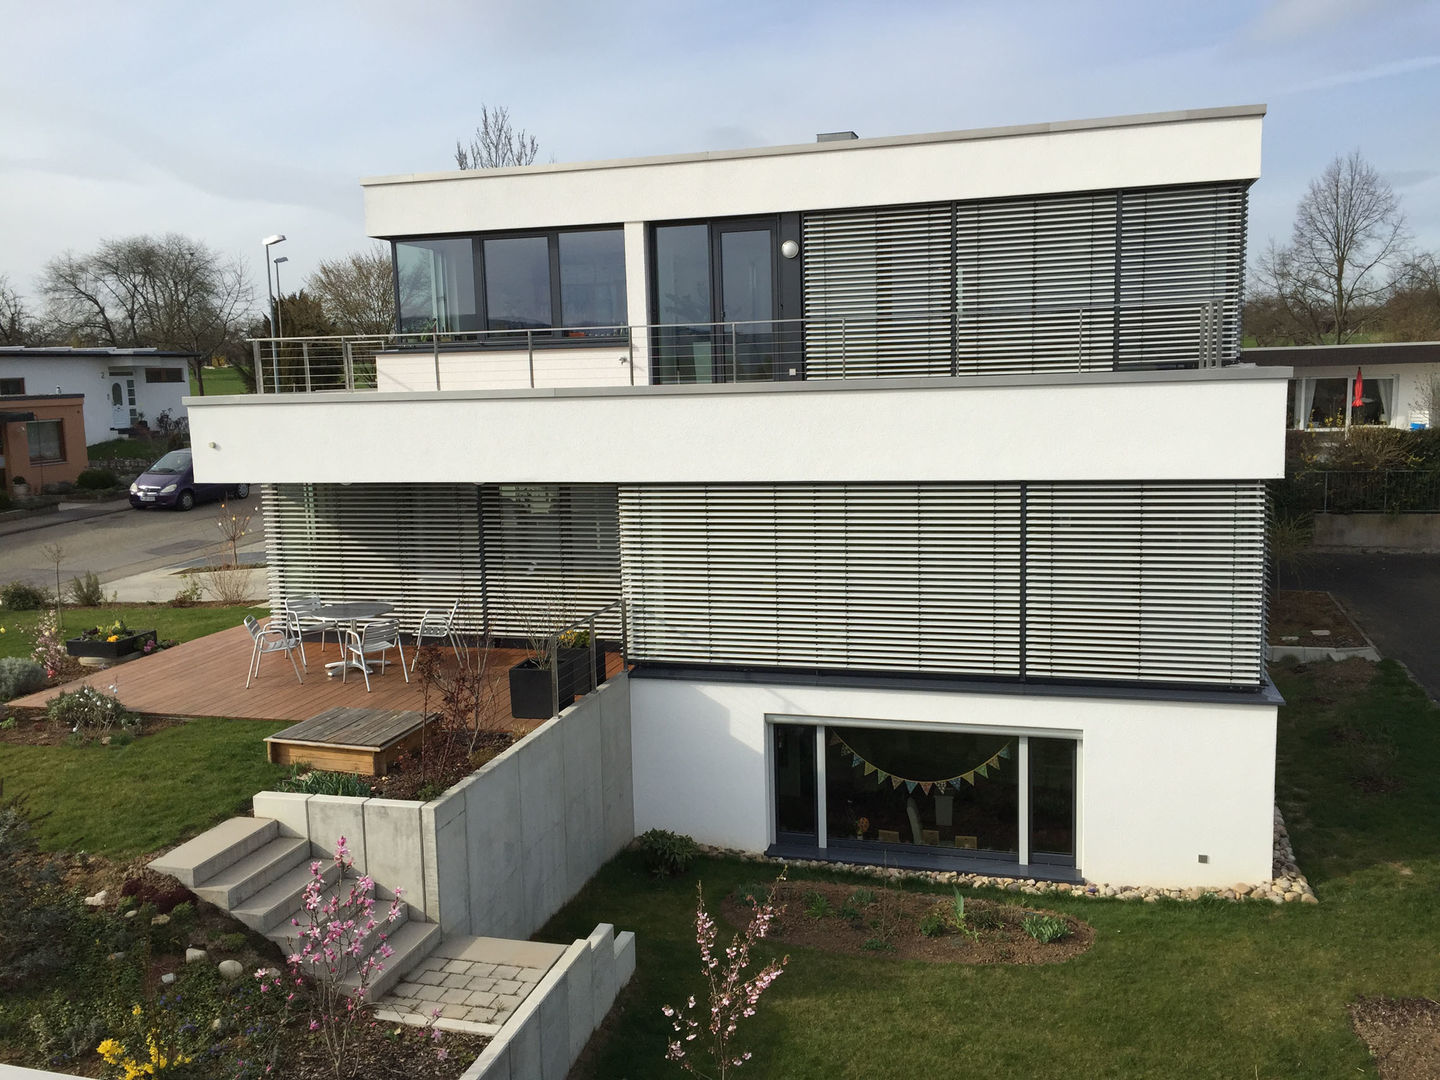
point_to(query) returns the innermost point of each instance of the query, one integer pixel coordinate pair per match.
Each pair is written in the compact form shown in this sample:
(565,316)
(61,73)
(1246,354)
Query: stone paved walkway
(475,982)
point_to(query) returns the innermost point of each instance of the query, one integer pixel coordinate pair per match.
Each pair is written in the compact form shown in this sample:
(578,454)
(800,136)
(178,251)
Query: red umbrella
(1359,390)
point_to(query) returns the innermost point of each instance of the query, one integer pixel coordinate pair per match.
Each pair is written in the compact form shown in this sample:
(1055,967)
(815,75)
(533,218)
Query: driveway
(1395,599)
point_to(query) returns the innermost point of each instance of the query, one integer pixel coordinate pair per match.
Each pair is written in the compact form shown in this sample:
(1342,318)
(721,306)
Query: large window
(47,440)
(1321,403)
(164,374)
(12,386)
(539,281)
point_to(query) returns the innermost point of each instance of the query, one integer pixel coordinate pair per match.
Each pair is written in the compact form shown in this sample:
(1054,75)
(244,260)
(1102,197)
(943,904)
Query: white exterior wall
(1173,148)
(1412,398)
(1220,423)
(89,376)
(508,369)
(1160,783)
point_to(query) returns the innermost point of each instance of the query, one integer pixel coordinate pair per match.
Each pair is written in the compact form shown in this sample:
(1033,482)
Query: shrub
(932,925)
(86,591)
(18,596)
(39,912)
(817,906)
(1045,928)
(325,783)
(861,898)
(95,480)
(667,854)
(19,677)
(164,899)
(90,712)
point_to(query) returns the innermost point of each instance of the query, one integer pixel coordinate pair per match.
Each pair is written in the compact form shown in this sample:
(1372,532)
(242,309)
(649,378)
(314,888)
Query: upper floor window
(164,374)
(572,279)
(12,386)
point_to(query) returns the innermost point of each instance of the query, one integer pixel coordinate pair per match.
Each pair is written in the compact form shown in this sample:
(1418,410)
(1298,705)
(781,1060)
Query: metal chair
(439,625)
(374,637)
(274,637)
(300,610)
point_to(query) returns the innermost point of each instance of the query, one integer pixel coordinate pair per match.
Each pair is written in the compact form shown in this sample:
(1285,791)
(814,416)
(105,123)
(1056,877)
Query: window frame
(12,382)
(164,375)
(30,426)
(500,338)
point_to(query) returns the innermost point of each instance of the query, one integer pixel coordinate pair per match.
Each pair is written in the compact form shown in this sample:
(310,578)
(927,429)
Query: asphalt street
(119,543)
(1394,598)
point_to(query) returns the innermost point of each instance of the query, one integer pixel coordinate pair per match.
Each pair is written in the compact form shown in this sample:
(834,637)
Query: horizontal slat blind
(903,577)
(1036,284)
(1181,275)
(414,545)
(551,556)
(1147,582)
(878,292)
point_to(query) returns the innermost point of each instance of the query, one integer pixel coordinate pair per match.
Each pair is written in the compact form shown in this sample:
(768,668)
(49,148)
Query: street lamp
(279,299)
(269,242)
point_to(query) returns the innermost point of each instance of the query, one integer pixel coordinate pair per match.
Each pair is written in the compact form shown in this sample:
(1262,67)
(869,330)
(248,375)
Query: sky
(230,122)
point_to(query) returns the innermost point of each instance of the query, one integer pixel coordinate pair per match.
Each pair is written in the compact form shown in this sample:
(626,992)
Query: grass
(1169,989)
(123,801)
(219,381)
(129,449)
(182,624)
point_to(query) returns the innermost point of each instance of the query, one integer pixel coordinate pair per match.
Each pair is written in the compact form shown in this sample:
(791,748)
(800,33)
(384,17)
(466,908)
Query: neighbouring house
(124,389)
(1399,383)
(925,467)
(42,440)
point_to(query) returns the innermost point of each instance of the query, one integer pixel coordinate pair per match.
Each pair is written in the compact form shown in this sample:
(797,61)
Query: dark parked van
(171,482)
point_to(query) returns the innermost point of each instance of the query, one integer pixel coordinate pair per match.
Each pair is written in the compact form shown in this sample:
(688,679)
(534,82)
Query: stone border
(1288,884)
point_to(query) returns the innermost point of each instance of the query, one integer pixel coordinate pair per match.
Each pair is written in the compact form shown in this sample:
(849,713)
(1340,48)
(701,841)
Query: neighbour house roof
(61,351)
(1379,354)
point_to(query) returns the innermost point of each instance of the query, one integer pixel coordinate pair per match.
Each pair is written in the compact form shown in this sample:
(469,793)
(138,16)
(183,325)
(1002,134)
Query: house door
(122,401)
(796,810)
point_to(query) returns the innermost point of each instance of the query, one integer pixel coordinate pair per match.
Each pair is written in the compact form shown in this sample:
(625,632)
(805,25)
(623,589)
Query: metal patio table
(349,614)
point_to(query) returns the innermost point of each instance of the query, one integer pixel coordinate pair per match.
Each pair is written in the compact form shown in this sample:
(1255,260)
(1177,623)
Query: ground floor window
(866,792)
(47,441)
(1335,403)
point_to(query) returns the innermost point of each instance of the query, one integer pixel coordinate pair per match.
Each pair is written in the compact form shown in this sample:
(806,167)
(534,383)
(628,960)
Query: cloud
(1286,20)
(1362,75)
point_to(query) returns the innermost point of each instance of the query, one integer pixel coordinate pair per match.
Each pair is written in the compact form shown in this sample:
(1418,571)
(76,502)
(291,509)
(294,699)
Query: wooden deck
(206,677)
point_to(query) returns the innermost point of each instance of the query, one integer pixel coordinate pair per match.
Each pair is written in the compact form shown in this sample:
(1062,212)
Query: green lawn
(1175,990)
(153,792)
(220,381)
(182,624)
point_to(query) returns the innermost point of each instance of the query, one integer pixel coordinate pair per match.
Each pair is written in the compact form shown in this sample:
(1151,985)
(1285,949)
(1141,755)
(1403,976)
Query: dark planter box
(108,650)
(530,684)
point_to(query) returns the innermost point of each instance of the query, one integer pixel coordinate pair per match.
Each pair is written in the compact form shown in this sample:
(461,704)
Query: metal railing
(1375,491)
(967,341)
(589,624)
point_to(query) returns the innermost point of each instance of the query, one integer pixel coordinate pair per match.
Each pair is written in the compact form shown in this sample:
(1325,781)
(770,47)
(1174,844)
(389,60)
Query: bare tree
(496,144)
(1332,276)
(17,325)
(1412,310)
(356,291)
(166,292)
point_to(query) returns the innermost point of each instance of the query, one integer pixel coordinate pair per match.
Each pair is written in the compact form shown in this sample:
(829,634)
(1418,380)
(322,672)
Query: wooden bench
(344,739)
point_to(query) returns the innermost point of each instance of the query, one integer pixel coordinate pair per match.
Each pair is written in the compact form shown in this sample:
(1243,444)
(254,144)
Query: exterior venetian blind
(1148,582)
(414,545)
(878,292)
(903,577)
(551,556)
(1036,282)
(1181,275)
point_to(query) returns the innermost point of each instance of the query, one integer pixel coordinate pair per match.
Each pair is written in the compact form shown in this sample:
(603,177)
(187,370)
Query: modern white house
(925,468)
(122,387)
(1399,383)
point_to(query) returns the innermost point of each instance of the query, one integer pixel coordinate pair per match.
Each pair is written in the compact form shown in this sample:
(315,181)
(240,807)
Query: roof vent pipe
(835,136)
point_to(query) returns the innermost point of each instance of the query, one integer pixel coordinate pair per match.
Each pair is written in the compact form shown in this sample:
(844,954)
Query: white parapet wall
(506,369)
(501,852)
(1160,783)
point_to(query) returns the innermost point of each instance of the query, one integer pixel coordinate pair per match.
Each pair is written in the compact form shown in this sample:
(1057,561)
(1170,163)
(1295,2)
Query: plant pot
(530,684)
(108,650)
(21,490)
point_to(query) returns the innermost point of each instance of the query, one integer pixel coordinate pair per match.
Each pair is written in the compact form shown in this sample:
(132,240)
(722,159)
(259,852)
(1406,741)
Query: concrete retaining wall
(499,853)
(545,1035)
(1381,532)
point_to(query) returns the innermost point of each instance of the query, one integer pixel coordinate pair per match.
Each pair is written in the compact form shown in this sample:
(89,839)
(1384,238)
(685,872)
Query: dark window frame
(504,338)
(12,387)
(164,375)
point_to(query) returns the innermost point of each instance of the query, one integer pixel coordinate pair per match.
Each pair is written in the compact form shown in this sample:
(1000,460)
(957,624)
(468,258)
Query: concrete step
(273,905)
(251,873)
(287,935)
(205,856)
(412,943)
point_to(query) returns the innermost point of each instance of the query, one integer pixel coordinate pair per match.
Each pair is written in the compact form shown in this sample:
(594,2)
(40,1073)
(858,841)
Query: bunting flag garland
(949,783)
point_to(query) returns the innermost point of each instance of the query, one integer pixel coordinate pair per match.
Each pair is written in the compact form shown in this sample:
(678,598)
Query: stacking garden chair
(372,638)
(439,625)
(300,610)
(277,636)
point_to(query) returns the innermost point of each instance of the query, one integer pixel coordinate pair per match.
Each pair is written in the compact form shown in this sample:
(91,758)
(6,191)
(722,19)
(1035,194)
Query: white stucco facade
(101,378)
(1161,783)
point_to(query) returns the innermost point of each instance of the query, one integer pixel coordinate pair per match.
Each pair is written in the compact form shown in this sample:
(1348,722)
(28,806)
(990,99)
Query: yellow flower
(136,1011)
(110,1050)
(114,637)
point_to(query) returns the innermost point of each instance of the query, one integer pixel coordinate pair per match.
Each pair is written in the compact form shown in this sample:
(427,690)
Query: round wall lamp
(789,249)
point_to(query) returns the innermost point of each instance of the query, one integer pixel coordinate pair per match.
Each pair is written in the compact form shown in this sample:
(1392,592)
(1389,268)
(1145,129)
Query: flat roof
(845,145)
(1384,352)
(144,352)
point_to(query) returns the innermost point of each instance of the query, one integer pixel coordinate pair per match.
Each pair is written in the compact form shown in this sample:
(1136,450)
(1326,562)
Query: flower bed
(113,646)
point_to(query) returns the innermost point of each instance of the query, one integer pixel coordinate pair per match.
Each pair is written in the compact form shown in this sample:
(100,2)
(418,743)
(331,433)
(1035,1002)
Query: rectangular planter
(108,650)
(530,684)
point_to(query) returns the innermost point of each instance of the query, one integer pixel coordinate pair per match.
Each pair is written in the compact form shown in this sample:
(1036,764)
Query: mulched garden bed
(1297,612)
(1402,1034)
(861,920)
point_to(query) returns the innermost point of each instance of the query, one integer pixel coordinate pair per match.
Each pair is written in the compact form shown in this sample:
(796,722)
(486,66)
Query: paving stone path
(474,982)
